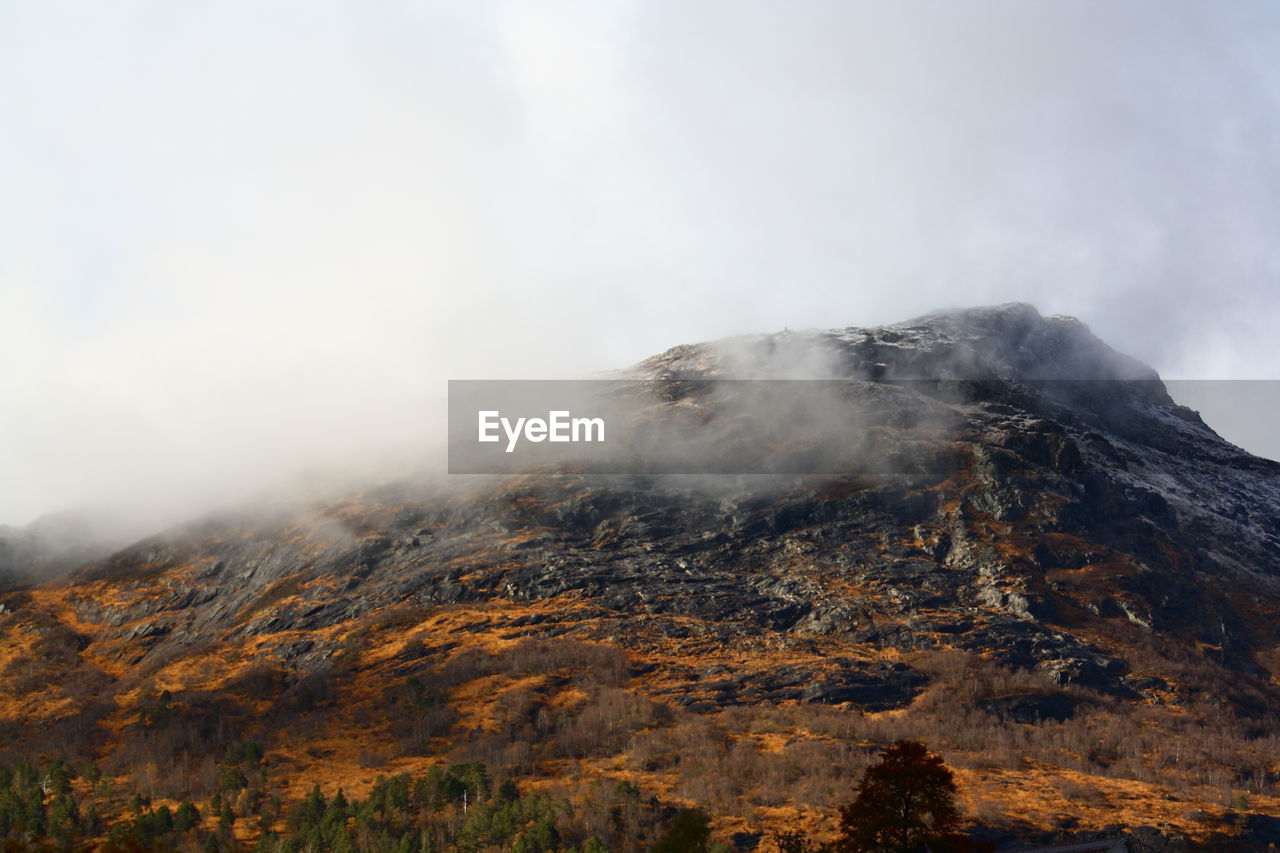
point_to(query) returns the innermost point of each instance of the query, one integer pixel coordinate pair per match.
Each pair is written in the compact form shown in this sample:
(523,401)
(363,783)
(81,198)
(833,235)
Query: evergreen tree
(690,832)
(186,817)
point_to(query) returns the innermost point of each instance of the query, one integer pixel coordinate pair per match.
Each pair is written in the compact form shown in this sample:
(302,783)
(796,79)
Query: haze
(243,240)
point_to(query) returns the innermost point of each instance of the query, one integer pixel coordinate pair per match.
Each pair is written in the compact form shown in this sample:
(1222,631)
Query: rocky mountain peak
(1004,342)
(1011,341)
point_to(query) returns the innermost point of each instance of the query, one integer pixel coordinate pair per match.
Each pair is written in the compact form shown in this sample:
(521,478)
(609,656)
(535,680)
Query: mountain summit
(1072,586)
(1011,341)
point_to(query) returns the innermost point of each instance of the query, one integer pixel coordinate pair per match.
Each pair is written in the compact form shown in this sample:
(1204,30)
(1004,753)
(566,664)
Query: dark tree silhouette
(905,804)
(689,833)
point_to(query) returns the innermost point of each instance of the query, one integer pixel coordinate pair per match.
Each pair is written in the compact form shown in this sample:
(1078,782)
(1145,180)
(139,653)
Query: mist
(250,244)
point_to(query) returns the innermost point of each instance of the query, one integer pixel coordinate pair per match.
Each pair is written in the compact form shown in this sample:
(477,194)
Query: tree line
(905,803)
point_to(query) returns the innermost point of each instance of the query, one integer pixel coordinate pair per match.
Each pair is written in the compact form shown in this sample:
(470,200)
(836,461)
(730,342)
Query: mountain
(1048,570)
(54,545)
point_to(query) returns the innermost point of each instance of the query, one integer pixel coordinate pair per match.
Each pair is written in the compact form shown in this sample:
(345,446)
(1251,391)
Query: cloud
(250,239)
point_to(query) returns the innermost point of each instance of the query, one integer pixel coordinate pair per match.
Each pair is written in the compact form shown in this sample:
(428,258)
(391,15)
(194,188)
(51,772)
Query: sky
(247,239)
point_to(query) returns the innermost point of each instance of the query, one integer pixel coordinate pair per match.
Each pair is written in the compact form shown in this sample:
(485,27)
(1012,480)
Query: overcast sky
(241,238)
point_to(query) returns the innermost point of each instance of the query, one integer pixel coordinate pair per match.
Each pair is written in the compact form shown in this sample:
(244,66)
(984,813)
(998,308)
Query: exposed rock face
(1067,490)
(1032,707)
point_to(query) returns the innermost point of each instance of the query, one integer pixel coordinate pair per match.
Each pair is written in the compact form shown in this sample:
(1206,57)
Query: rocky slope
(1061,521)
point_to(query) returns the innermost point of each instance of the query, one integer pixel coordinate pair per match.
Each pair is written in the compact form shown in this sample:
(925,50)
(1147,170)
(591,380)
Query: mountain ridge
(1081,548)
